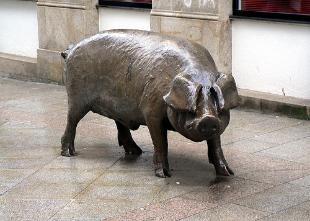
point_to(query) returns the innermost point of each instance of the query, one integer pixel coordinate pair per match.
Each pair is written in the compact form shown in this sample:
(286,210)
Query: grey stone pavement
(269,154)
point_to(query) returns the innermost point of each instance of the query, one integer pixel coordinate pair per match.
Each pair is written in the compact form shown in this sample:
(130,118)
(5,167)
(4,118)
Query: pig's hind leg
(216,157)
(125,140)
(75,113)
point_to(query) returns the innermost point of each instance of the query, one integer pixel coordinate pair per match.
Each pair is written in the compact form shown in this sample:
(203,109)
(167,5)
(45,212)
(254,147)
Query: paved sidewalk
(269,154)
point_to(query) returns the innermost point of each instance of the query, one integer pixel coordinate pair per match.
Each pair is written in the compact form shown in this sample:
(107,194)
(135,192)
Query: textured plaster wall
(18,27)
(272,57)
(111,18)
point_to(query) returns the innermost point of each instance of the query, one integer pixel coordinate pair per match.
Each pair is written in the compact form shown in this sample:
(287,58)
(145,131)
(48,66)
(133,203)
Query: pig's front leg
(160,142)
(216,157)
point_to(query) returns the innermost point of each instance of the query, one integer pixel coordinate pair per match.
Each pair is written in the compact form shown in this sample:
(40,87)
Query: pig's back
(120,56)
(143,52)
(118,68)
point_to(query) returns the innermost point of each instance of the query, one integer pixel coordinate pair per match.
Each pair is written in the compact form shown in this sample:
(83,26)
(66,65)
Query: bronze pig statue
(145,78)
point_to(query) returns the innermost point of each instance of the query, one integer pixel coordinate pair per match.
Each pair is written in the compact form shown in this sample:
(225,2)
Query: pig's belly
(123,110)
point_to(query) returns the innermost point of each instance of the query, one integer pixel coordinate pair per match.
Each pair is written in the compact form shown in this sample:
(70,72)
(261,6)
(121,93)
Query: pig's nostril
(203,130)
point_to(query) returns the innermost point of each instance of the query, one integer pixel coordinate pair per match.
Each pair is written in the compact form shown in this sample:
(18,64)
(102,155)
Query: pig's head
(198,107)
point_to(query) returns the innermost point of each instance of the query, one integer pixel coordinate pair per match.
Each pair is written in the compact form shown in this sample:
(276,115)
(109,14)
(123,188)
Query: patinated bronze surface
(144,78)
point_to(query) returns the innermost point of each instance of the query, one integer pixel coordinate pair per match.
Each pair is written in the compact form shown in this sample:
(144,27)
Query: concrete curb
(271,103)
(22,68)
(18,67)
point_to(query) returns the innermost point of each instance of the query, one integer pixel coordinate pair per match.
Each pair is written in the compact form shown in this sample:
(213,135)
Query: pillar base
(50,66)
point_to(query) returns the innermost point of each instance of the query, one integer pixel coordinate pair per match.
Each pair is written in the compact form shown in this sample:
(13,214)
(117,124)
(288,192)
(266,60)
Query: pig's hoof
(134,152)
(68,153)
(223,170)
(133,149)
(162,173)
(137,151)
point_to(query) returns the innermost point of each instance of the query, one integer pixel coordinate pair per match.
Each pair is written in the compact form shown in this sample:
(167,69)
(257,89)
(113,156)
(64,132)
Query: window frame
(107,3)
(273,16)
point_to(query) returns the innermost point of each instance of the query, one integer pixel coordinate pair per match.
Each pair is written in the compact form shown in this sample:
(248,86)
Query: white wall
(112,18)
(272,57)
(18,27)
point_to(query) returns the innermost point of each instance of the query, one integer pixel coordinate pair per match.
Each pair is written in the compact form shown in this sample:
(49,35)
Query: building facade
(266,54)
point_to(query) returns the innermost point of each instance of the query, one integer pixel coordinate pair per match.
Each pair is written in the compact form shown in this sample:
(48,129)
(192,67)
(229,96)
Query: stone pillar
(204,21)
(61,23)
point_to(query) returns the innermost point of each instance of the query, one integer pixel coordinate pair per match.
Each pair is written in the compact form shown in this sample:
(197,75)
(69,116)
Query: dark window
(127,3)
(293,10)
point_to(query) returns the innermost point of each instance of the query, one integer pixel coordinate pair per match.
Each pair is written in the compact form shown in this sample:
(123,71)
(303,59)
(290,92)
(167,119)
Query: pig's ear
(183,95)
(226,90)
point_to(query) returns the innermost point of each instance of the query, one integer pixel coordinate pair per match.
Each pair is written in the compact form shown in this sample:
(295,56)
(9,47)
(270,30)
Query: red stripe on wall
(279,6)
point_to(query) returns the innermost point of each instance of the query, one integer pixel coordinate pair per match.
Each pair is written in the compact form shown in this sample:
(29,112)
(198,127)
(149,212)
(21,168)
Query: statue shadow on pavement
(187,170)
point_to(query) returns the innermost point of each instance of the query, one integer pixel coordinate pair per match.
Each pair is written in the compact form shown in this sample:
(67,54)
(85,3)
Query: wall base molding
(18,67)
(272,103)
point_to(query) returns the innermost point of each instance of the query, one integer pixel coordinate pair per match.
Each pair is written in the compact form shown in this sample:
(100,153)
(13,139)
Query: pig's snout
(209,126)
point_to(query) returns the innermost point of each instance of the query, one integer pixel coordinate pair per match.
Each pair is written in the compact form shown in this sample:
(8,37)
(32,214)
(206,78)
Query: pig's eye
(215,98)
